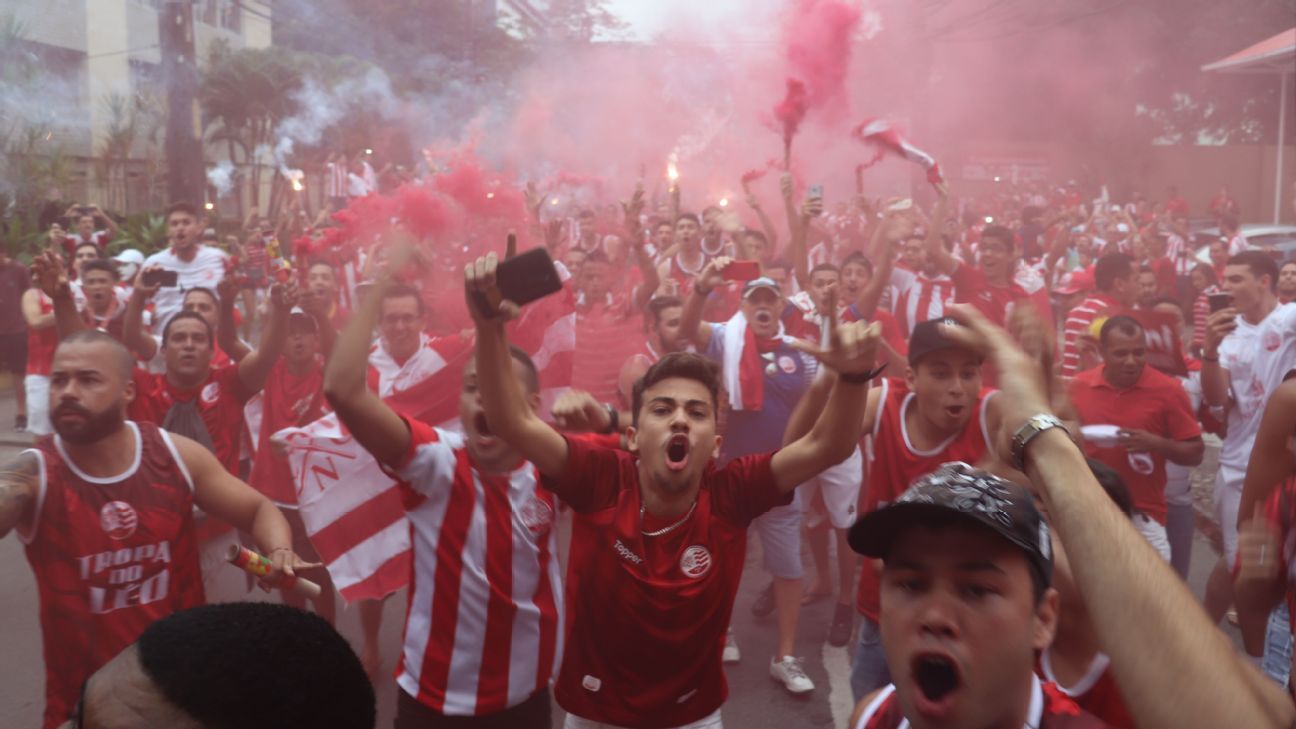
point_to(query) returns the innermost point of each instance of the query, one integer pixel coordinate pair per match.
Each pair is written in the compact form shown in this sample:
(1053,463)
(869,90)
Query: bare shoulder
(19,486)
(18,472)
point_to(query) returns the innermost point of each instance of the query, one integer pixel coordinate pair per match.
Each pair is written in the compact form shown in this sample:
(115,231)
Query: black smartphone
(1219,301)
(161,277)
(522,279)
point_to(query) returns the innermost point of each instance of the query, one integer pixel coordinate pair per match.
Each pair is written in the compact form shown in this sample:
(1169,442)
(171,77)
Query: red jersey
(1156,403)
(41,343)
(219,399)
(485,605)
(110,556)
(1049,709)
(647,614)
(996,302)
(606,336)
(286,401)
(1096,692)
(896,464)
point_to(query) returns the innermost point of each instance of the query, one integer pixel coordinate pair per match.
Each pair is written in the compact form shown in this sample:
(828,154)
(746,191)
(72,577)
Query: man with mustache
(1157,425)
(104,509)
(660,533)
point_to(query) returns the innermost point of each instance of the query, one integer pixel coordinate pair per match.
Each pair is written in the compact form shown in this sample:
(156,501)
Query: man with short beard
(660,533)
(662,319)
(190,398)
(104,509)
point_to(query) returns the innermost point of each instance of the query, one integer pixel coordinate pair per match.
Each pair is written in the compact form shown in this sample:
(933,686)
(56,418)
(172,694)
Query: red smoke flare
(791,111)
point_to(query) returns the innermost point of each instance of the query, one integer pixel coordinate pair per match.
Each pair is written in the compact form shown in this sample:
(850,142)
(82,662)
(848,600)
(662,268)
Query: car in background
(1279,240)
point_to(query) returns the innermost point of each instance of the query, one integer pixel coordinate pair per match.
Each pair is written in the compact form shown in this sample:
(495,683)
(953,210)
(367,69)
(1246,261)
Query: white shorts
(1155,533)
(38,412)
(840,487)
(711,721)
(1228,497)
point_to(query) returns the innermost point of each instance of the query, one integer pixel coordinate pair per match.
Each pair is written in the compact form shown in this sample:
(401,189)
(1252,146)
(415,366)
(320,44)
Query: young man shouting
(660,533)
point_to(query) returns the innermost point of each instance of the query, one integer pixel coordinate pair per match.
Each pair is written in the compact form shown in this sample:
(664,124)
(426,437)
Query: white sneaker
(731,652)
(788,671)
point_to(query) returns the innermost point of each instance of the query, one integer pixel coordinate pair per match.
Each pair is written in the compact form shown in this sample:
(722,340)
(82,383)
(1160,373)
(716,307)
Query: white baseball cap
(130,255)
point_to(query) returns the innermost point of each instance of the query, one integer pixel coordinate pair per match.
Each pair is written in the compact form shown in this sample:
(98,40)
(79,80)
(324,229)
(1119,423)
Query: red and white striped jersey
(335,180)
(1077,324)
(485,604)
(921,297)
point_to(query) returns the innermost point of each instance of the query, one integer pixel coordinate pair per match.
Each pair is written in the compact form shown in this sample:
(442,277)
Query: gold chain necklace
(669,529)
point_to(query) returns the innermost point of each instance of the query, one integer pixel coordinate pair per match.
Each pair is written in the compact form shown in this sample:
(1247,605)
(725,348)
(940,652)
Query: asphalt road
(755,701)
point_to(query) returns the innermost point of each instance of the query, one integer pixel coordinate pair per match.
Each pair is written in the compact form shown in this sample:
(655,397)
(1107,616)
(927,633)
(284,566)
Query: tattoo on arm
(19,477)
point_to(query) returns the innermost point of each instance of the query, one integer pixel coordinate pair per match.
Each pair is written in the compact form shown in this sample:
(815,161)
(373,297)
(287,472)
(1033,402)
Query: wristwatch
(1033,426)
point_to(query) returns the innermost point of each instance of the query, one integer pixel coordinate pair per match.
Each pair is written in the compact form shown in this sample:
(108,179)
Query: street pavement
(755,701)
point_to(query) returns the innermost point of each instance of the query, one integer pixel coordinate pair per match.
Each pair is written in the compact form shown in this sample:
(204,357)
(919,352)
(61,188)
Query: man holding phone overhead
(190,263)
(1249,345)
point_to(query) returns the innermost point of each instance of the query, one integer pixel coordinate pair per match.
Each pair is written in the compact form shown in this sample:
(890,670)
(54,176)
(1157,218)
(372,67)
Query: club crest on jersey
(536,516)
(118,520)
(1271,341)
(695,562)
(787,364)
(210,393)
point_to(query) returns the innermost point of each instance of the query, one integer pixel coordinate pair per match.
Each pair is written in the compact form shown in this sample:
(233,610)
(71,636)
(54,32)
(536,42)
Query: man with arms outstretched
(660,533)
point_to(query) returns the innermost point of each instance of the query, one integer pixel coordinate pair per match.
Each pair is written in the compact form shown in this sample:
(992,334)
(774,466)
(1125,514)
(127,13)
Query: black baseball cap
(929,336)
(956,488)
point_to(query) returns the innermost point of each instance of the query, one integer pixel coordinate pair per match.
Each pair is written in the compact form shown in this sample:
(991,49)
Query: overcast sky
(647,17)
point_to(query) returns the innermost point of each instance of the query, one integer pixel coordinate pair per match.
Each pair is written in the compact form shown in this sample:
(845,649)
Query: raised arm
(227,330)
(767,225)
(813,402)
(698,331)
(799,225)
(255,367)
(50,275)
(133,334)
(508,413)
(19,485)
(635,239)
(373,423)
(1143,614)
(31,310)
(220,494)
(944,260)
(1214,377)
(852,349)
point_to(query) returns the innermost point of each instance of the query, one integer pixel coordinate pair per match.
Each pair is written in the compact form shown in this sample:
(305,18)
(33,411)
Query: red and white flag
(352,509)
(886,139)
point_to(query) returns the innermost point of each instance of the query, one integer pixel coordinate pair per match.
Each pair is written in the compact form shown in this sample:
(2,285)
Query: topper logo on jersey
(695,562)
(118,520)
(536,516)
